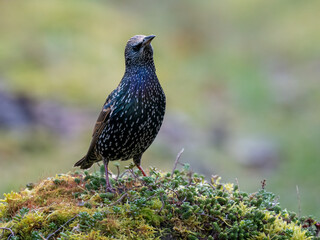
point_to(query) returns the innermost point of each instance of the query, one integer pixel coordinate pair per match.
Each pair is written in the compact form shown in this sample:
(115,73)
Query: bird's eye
(137,47)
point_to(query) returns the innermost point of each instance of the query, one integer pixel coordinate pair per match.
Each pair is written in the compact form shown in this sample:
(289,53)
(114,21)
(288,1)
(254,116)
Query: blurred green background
(241,79)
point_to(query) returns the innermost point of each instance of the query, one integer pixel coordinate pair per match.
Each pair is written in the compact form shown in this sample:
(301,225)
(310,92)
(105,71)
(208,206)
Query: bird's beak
(147,40)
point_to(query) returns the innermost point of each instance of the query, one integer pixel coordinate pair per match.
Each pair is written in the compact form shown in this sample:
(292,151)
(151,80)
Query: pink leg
(108,185)
(140,168)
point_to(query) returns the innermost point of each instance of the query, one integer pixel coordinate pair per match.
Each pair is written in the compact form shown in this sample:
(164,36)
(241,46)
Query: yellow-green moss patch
(160,206)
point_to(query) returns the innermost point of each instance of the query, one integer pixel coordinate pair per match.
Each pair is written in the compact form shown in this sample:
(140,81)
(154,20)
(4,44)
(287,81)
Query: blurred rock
(178,132)
(21,112)
(15,111)
(257,152)
(60,119)
(219,135)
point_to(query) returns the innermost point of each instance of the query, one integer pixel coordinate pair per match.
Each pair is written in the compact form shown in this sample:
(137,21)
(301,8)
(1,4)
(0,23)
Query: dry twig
(299,201)
(59,229)
(162,204)
(177,161)
(9,229)
(119,200)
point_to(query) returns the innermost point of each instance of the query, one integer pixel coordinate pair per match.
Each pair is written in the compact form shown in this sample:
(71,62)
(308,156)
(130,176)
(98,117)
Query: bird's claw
(110,189)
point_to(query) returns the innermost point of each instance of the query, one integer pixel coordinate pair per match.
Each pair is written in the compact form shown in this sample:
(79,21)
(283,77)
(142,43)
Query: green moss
(182,206)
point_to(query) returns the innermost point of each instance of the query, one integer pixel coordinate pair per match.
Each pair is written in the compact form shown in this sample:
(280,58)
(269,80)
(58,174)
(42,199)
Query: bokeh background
(241,79)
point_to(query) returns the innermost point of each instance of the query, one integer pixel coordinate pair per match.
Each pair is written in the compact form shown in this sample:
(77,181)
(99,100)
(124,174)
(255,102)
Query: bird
(132,114)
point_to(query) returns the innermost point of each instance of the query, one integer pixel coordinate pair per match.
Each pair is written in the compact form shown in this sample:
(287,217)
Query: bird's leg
(137,161)
(140,168)
(108,185)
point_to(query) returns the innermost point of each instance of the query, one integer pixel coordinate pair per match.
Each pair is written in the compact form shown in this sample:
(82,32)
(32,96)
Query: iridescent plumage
(132,114)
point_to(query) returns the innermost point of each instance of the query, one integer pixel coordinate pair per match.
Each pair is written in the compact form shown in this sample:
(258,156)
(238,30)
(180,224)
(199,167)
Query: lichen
(161,206)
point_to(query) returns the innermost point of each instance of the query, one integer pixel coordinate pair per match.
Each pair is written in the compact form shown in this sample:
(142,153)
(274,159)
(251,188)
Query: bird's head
(139,50)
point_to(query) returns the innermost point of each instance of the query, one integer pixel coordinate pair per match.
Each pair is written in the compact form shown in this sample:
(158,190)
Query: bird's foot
(109,188)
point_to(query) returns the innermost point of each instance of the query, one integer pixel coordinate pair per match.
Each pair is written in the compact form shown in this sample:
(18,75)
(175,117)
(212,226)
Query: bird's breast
(137,113)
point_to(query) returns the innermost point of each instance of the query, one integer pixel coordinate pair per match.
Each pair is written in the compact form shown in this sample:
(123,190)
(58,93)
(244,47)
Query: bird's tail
(87,161)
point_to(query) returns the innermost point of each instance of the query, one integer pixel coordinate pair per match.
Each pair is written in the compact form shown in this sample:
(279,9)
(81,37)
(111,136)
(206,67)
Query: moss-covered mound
(160,206)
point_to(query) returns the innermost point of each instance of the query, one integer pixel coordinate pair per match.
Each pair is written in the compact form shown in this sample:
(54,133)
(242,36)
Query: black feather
(133,113)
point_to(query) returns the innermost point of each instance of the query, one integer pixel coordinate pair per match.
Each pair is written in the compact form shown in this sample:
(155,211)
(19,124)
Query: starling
(132,114)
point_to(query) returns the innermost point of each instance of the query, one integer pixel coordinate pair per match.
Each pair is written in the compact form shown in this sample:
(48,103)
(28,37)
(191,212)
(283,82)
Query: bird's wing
(102,119)
(101,122)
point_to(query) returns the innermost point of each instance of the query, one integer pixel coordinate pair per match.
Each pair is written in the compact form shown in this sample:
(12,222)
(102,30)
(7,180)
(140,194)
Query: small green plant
(178,205)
